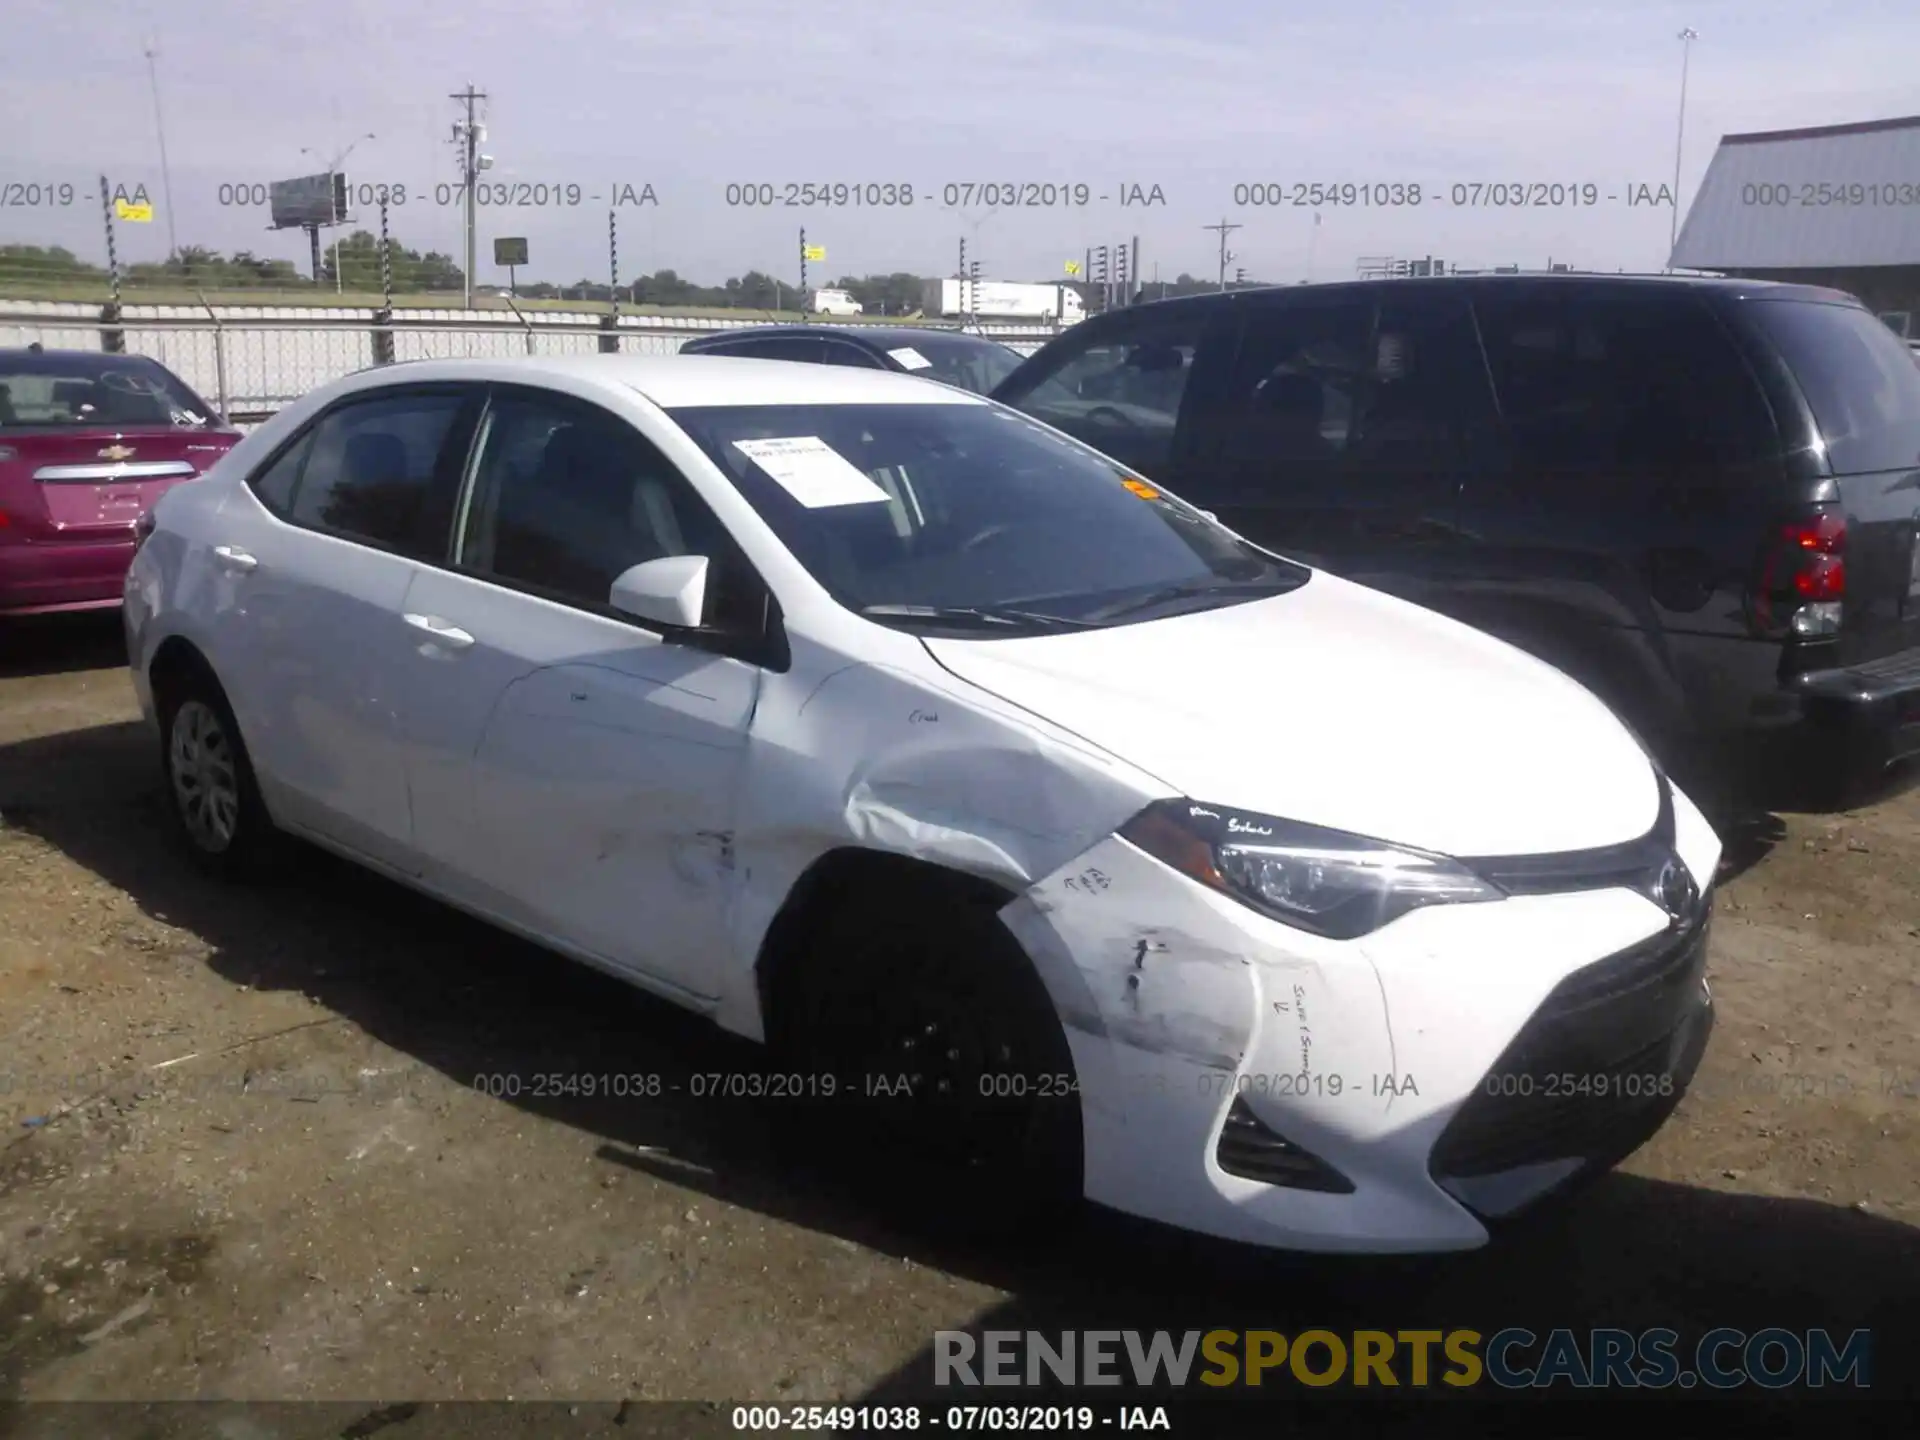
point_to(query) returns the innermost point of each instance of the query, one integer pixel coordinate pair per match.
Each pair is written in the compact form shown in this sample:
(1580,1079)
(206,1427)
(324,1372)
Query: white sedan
(1054,838)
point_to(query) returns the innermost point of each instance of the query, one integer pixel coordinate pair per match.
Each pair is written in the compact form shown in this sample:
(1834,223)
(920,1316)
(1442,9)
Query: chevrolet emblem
(116,452)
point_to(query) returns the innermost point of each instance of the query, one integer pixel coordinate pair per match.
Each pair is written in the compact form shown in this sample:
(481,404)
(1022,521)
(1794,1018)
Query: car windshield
(42,391)
(972,517)
(959,360)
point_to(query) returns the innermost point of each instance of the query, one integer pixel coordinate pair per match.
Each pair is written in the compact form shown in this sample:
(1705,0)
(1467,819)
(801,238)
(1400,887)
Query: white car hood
(1340,706)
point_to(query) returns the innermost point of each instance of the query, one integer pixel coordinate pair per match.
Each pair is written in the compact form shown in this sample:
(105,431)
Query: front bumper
(1874,706)
(40,579)
(1450,1069)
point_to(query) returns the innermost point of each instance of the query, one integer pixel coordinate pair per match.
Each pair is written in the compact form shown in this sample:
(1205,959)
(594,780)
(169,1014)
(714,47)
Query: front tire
(954,1085)
(211,791)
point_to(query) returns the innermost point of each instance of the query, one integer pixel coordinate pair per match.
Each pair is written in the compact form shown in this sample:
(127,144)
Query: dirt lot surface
(245,1155)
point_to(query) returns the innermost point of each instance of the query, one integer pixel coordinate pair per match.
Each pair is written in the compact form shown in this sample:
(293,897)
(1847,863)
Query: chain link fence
(250,361)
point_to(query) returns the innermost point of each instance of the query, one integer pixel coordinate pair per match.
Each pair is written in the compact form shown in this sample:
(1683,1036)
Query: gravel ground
(243,1153)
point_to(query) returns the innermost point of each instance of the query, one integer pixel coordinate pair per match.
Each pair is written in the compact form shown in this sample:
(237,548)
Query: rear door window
(1286,415)
(1623,379)
(1859,379)
(370,473)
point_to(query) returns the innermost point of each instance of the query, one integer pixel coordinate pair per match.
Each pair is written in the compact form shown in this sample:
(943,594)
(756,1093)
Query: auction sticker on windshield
(911,358)
(812,471)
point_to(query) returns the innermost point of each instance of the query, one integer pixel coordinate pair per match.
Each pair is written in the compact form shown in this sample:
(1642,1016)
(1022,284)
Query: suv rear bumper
(1875,705)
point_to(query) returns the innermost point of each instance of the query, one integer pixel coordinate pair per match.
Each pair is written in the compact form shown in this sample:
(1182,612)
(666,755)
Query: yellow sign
(815,252)
(1073,267)
(127,210)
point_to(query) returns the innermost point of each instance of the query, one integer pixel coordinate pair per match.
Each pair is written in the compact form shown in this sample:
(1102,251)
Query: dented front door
(575,773)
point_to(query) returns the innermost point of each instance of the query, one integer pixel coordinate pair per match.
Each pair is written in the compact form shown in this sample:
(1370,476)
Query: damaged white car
(1041,825)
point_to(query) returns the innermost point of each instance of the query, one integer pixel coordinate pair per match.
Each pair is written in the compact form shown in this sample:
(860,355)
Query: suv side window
(1425,404)
(369,471)
(1120,390)
(1622,380)
(1288,410)
(566,497)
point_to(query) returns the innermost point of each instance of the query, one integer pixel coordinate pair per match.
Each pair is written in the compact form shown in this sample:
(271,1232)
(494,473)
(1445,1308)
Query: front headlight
(1326,881)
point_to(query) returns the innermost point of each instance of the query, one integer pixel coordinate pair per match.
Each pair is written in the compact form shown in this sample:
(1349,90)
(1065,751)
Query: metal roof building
(1838,205)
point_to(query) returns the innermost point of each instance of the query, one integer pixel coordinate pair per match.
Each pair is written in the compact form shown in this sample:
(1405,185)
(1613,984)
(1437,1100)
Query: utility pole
(468,135)
(1225,230)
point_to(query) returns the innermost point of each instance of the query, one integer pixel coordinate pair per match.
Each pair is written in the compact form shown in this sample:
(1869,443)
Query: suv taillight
(1803,578)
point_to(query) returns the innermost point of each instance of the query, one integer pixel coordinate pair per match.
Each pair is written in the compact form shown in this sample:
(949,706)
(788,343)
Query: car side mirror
(669,591)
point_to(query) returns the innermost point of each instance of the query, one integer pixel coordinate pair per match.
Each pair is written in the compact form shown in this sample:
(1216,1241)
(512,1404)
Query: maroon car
(88,441)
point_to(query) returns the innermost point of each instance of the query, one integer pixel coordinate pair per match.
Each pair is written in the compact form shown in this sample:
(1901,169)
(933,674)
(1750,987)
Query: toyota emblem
(1675,891)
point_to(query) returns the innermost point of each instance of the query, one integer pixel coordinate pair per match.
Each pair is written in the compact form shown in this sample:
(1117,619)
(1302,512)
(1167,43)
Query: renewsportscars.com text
(1510,1359)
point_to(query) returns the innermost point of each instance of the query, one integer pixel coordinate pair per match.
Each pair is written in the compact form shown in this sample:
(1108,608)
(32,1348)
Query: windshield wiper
(1191,589)
(972,614)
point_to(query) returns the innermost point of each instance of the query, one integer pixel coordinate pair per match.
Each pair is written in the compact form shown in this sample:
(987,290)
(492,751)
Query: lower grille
(1597,1069)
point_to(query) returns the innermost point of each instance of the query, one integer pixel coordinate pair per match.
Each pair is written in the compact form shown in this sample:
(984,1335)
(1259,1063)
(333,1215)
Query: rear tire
(954,1088)
(211,791)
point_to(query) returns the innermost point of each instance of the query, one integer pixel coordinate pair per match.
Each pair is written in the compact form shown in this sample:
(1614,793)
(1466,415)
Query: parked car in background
(972,362)
(88,441)
(1699,497)
(896,729)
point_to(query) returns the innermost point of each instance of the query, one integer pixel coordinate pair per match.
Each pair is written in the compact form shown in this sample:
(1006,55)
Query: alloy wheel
(205,775)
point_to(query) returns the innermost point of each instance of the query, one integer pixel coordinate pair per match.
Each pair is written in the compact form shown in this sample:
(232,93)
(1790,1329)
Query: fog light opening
(1251,1151)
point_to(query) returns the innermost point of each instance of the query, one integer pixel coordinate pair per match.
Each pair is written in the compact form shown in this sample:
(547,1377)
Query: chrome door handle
(449,635)
(232,558)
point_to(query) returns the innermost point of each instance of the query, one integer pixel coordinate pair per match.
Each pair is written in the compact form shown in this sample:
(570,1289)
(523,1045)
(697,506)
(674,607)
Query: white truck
(1001,300)
(835,302)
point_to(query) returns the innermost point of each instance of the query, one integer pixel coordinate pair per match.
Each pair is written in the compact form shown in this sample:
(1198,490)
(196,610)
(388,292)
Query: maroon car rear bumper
(35,579)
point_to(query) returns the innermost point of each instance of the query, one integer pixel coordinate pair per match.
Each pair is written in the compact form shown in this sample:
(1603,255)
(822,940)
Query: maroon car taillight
(1802,584)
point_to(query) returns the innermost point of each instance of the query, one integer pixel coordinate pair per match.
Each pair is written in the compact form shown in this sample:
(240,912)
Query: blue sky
(1194,98)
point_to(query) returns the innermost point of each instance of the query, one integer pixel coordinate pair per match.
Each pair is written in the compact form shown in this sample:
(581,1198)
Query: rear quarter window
(1858,378)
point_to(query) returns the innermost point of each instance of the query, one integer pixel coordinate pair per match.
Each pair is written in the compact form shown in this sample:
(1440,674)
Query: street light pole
(160,131)
(1686,38)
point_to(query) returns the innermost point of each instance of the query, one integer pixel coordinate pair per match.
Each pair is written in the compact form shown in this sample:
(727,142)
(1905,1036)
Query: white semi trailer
(1001,300)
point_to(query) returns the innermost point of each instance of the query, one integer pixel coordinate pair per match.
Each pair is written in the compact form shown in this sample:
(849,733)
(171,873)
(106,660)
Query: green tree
(358,259)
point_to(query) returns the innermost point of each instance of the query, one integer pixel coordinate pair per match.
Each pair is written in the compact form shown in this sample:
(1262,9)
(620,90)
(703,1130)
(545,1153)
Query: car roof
(1731,287)
(102,357)
(672,381)
(873,337)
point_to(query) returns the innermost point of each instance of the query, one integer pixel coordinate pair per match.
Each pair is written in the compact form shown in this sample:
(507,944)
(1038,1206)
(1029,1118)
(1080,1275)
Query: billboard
(510,250)
(309,200)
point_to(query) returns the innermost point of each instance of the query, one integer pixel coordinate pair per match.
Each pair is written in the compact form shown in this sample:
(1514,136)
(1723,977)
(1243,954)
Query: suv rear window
(1858,378)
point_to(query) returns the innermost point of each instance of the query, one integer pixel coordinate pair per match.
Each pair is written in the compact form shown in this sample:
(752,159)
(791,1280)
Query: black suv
(969,362)
(1699,497)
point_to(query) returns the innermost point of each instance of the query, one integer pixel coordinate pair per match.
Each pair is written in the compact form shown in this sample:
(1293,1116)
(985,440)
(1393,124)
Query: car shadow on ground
(61,644)
(462,998)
